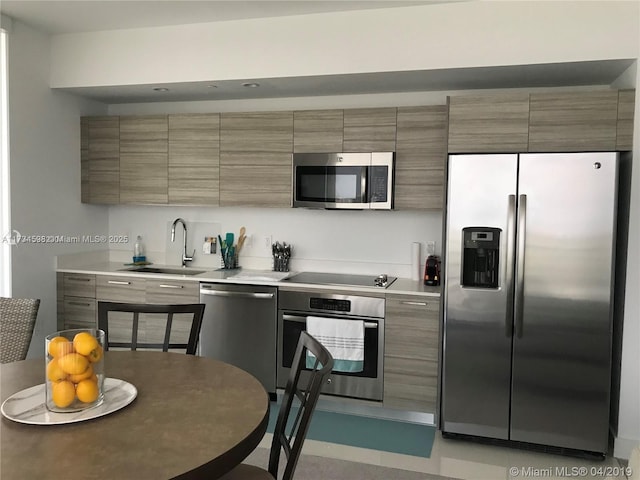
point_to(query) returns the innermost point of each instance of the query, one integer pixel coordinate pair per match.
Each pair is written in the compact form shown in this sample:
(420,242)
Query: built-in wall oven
(293,309)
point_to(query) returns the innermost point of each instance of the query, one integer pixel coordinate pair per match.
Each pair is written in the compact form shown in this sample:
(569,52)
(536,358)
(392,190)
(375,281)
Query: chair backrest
(17,320)
(195,309)
(306,387)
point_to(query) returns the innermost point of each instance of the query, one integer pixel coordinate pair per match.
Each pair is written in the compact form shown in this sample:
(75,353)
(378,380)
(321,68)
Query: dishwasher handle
(225,293)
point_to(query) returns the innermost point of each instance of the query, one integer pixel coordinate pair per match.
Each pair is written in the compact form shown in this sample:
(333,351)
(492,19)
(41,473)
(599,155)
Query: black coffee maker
(432,271)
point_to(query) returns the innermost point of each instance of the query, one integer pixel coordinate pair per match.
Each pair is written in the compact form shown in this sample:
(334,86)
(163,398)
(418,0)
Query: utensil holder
(229,260)
(280,264)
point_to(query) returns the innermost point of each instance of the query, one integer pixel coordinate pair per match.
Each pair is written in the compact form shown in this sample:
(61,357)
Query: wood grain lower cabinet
(421,154)
(255,159)
(626,109)
(170,292)
(411,352)
(489,123)
(369,130)
(573,121)
(318,131)
(77,301)
(194,159)
(144,159)
(102,162)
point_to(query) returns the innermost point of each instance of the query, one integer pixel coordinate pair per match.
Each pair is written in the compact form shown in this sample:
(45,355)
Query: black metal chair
(195,309)
(306,387)
(17,320)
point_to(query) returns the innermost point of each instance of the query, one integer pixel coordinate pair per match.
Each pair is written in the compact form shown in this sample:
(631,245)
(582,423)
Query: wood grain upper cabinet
(626,107)
(369,130)
(421,150)
(573,121)
(318,131)
(255,159)
(100,159)
(144,159)
(194,159)
(84,160)
(489,123)
(411,352)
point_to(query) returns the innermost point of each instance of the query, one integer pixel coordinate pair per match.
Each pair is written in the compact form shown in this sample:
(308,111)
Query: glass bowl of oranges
(74,370)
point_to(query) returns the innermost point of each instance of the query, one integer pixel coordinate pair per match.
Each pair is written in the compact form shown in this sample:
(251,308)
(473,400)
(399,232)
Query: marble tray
(28,406)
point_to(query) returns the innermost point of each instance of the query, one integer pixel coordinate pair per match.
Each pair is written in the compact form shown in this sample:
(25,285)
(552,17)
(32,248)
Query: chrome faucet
(185,258)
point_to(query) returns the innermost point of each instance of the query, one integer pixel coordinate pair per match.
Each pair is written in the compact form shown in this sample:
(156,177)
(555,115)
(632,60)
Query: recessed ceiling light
(160,89)
(251,85)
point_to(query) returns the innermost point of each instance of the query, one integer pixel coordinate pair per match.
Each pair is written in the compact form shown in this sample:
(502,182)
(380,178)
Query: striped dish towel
(343,338)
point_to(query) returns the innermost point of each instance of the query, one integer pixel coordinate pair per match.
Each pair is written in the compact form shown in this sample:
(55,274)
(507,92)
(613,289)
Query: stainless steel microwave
(343,180)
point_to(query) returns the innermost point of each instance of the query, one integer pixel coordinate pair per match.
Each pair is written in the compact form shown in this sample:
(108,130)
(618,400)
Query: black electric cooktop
(342,279)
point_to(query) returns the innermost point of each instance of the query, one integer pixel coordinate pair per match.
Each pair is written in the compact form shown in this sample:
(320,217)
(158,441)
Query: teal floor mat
(366,432)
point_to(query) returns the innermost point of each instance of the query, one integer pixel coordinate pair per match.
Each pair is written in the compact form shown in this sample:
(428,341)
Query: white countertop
(403,286)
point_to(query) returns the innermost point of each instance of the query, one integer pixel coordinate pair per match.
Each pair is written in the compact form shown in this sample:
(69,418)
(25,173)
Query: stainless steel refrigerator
(528,287)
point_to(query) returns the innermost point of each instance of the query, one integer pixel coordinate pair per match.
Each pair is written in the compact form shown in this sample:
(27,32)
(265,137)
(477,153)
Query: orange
(73,363)
(84,343)
(95,355)
(54,372)
(59,346)
(82,376)
(63,393)
(87,391)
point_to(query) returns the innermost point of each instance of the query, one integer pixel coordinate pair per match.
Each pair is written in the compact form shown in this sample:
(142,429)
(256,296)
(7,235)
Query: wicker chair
(17,320)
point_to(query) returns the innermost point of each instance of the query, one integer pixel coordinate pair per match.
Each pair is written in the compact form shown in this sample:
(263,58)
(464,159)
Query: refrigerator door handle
(511,242)
(519,296)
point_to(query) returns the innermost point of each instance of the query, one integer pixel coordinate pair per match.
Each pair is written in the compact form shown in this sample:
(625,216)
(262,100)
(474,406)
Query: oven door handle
(301,319)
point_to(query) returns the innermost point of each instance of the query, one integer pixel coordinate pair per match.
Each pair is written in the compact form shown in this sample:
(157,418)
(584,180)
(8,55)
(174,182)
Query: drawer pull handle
(166,285)
(80,304)
(78,279)
(420,304)
(118,282)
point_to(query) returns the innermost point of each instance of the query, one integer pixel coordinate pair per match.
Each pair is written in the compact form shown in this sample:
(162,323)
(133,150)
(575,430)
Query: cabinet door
(255,159)
(79,312)
(421,150)
(170,292)
(104,159)
(318,131)
(573,122)
(626,108)
(489,123)
(411,352)
(76,300)
(120,289)
(144,159)
(84,160)
(194,159)
(370,130)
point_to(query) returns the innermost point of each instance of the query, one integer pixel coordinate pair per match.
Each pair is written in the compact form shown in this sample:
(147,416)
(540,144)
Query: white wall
(448,35)
(354,242)
(45,173)
(629,411)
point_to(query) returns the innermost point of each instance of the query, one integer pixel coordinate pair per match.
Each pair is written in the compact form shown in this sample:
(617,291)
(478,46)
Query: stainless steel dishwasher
(239,327)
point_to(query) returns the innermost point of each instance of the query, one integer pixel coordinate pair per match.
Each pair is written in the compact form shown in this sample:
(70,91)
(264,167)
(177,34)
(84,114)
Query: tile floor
(468,460)
(473,461)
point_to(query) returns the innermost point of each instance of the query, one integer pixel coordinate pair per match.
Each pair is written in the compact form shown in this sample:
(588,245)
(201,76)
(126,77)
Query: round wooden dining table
(193,417)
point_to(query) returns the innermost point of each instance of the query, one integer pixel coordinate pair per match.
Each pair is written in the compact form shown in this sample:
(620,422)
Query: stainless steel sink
(167,271)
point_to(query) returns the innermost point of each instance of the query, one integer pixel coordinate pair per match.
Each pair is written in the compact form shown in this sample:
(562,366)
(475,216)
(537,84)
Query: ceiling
(72,16)
(59,17)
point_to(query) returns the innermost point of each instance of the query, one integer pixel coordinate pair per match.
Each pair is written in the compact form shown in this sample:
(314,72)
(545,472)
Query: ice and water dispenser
(480,254)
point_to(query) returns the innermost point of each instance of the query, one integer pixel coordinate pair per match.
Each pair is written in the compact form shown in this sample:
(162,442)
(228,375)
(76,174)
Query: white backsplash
(366,242)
